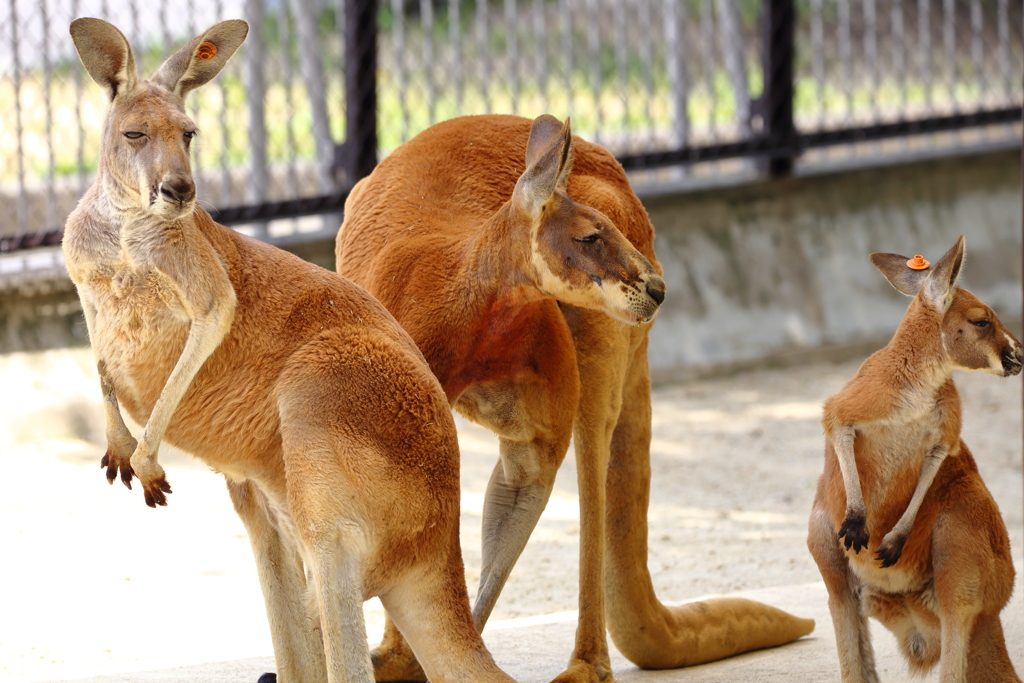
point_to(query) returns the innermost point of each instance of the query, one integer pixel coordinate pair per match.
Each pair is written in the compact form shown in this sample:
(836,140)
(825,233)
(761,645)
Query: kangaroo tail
(705,631)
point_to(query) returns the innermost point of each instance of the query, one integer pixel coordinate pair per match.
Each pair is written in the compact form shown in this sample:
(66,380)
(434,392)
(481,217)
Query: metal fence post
(779,131)
(356,157)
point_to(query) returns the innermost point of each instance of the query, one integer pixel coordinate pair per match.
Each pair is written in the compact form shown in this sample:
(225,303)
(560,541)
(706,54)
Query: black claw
(104,460)
(890,556)
(853,534)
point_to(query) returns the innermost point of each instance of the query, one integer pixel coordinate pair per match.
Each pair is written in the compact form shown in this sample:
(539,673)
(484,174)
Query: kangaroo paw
(889,552)
(853,533)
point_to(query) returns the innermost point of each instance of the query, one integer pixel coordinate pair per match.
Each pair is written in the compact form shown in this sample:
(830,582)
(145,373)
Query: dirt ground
(93,582)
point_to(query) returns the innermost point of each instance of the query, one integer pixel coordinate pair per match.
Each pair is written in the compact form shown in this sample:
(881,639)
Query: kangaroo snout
(1012,360)
(180,189)
(656,289)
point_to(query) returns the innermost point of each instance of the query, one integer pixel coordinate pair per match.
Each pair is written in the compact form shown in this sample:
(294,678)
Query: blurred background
(787,102)
(774,143)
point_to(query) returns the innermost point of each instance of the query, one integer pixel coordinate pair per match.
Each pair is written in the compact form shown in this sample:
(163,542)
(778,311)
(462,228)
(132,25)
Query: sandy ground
(93,584)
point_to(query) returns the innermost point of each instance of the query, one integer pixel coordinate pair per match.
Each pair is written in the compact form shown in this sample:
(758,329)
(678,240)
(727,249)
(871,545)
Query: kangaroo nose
(179,190)
(656,291)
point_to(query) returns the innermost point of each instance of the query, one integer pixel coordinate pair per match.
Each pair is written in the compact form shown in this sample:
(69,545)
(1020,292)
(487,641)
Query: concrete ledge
(779,268)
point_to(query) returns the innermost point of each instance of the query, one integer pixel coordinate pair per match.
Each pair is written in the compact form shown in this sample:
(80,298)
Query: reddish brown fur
(439,234)
(336,440)
(953,574)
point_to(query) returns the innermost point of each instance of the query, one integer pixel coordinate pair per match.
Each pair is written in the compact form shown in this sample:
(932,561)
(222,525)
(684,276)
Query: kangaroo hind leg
(853,639)
(327,508)
(298,648)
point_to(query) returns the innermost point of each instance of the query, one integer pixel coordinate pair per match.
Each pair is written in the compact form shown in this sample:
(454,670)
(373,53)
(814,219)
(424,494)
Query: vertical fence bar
(284,37)
(51,195)
(871,55)
(977,54)
(735,63)
(310,51)
(512,52)
(19,132)
(621,81)
(924,49)
(1004,48)
(567,62)
(779,25)
(255,90)
(818,58)
(647,64)
(707,30)
(360,90)
(949,43)
(845,57)
(594,45)
(455,40)
(484,53)
(675,56)
(76,69)
(225,132)
(540,36)
(899,55)
(401,47)
(427,30)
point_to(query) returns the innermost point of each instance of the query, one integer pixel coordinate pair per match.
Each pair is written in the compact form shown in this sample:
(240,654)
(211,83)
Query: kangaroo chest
(137,323)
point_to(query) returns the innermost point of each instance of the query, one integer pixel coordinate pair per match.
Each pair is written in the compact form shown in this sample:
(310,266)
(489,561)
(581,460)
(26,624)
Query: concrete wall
(772,272)
(767,272)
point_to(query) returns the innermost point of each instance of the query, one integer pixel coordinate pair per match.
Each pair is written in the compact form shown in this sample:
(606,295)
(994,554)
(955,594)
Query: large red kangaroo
(336,440)
(900,483)
(522,264)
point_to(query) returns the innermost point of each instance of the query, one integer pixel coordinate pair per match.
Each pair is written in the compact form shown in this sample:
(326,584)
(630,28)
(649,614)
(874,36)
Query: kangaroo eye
(587,239)
(980,323)
(189,134)
(133,135)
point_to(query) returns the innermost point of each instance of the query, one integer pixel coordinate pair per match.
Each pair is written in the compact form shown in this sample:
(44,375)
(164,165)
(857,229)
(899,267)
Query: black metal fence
(323,88)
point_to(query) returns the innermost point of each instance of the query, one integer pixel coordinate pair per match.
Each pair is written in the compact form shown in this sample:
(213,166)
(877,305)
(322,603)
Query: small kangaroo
(901,483)
(336,440)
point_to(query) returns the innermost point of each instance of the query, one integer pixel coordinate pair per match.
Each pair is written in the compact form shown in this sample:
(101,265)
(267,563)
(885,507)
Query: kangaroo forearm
(929,468)
(204,336)
(842,443)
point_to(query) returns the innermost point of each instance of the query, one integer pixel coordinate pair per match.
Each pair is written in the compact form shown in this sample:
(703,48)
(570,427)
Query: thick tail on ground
(705,631)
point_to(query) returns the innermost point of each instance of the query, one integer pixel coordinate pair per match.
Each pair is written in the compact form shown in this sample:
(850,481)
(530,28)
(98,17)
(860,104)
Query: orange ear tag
(918,263)
(206,50)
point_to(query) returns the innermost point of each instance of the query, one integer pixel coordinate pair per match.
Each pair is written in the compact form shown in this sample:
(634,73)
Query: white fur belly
(888,580)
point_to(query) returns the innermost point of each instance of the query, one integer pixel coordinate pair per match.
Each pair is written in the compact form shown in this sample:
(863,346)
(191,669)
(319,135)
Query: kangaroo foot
(395,662)
(580,671)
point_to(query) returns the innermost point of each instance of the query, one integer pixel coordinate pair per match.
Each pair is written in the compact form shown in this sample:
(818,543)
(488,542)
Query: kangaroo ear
(549,156)
(106,55)
(939,287)
(200,60)
(901,276)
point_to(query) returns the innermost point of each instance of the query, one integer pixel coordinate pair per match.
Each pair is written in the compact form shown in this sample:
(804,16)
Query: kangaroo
(336,440)
(901,483)
(522,264)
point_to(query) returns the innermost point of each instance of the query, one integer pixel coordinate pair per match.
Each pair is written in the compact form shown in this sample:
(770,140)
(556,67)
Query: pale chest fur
(137,323)
(890,453)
